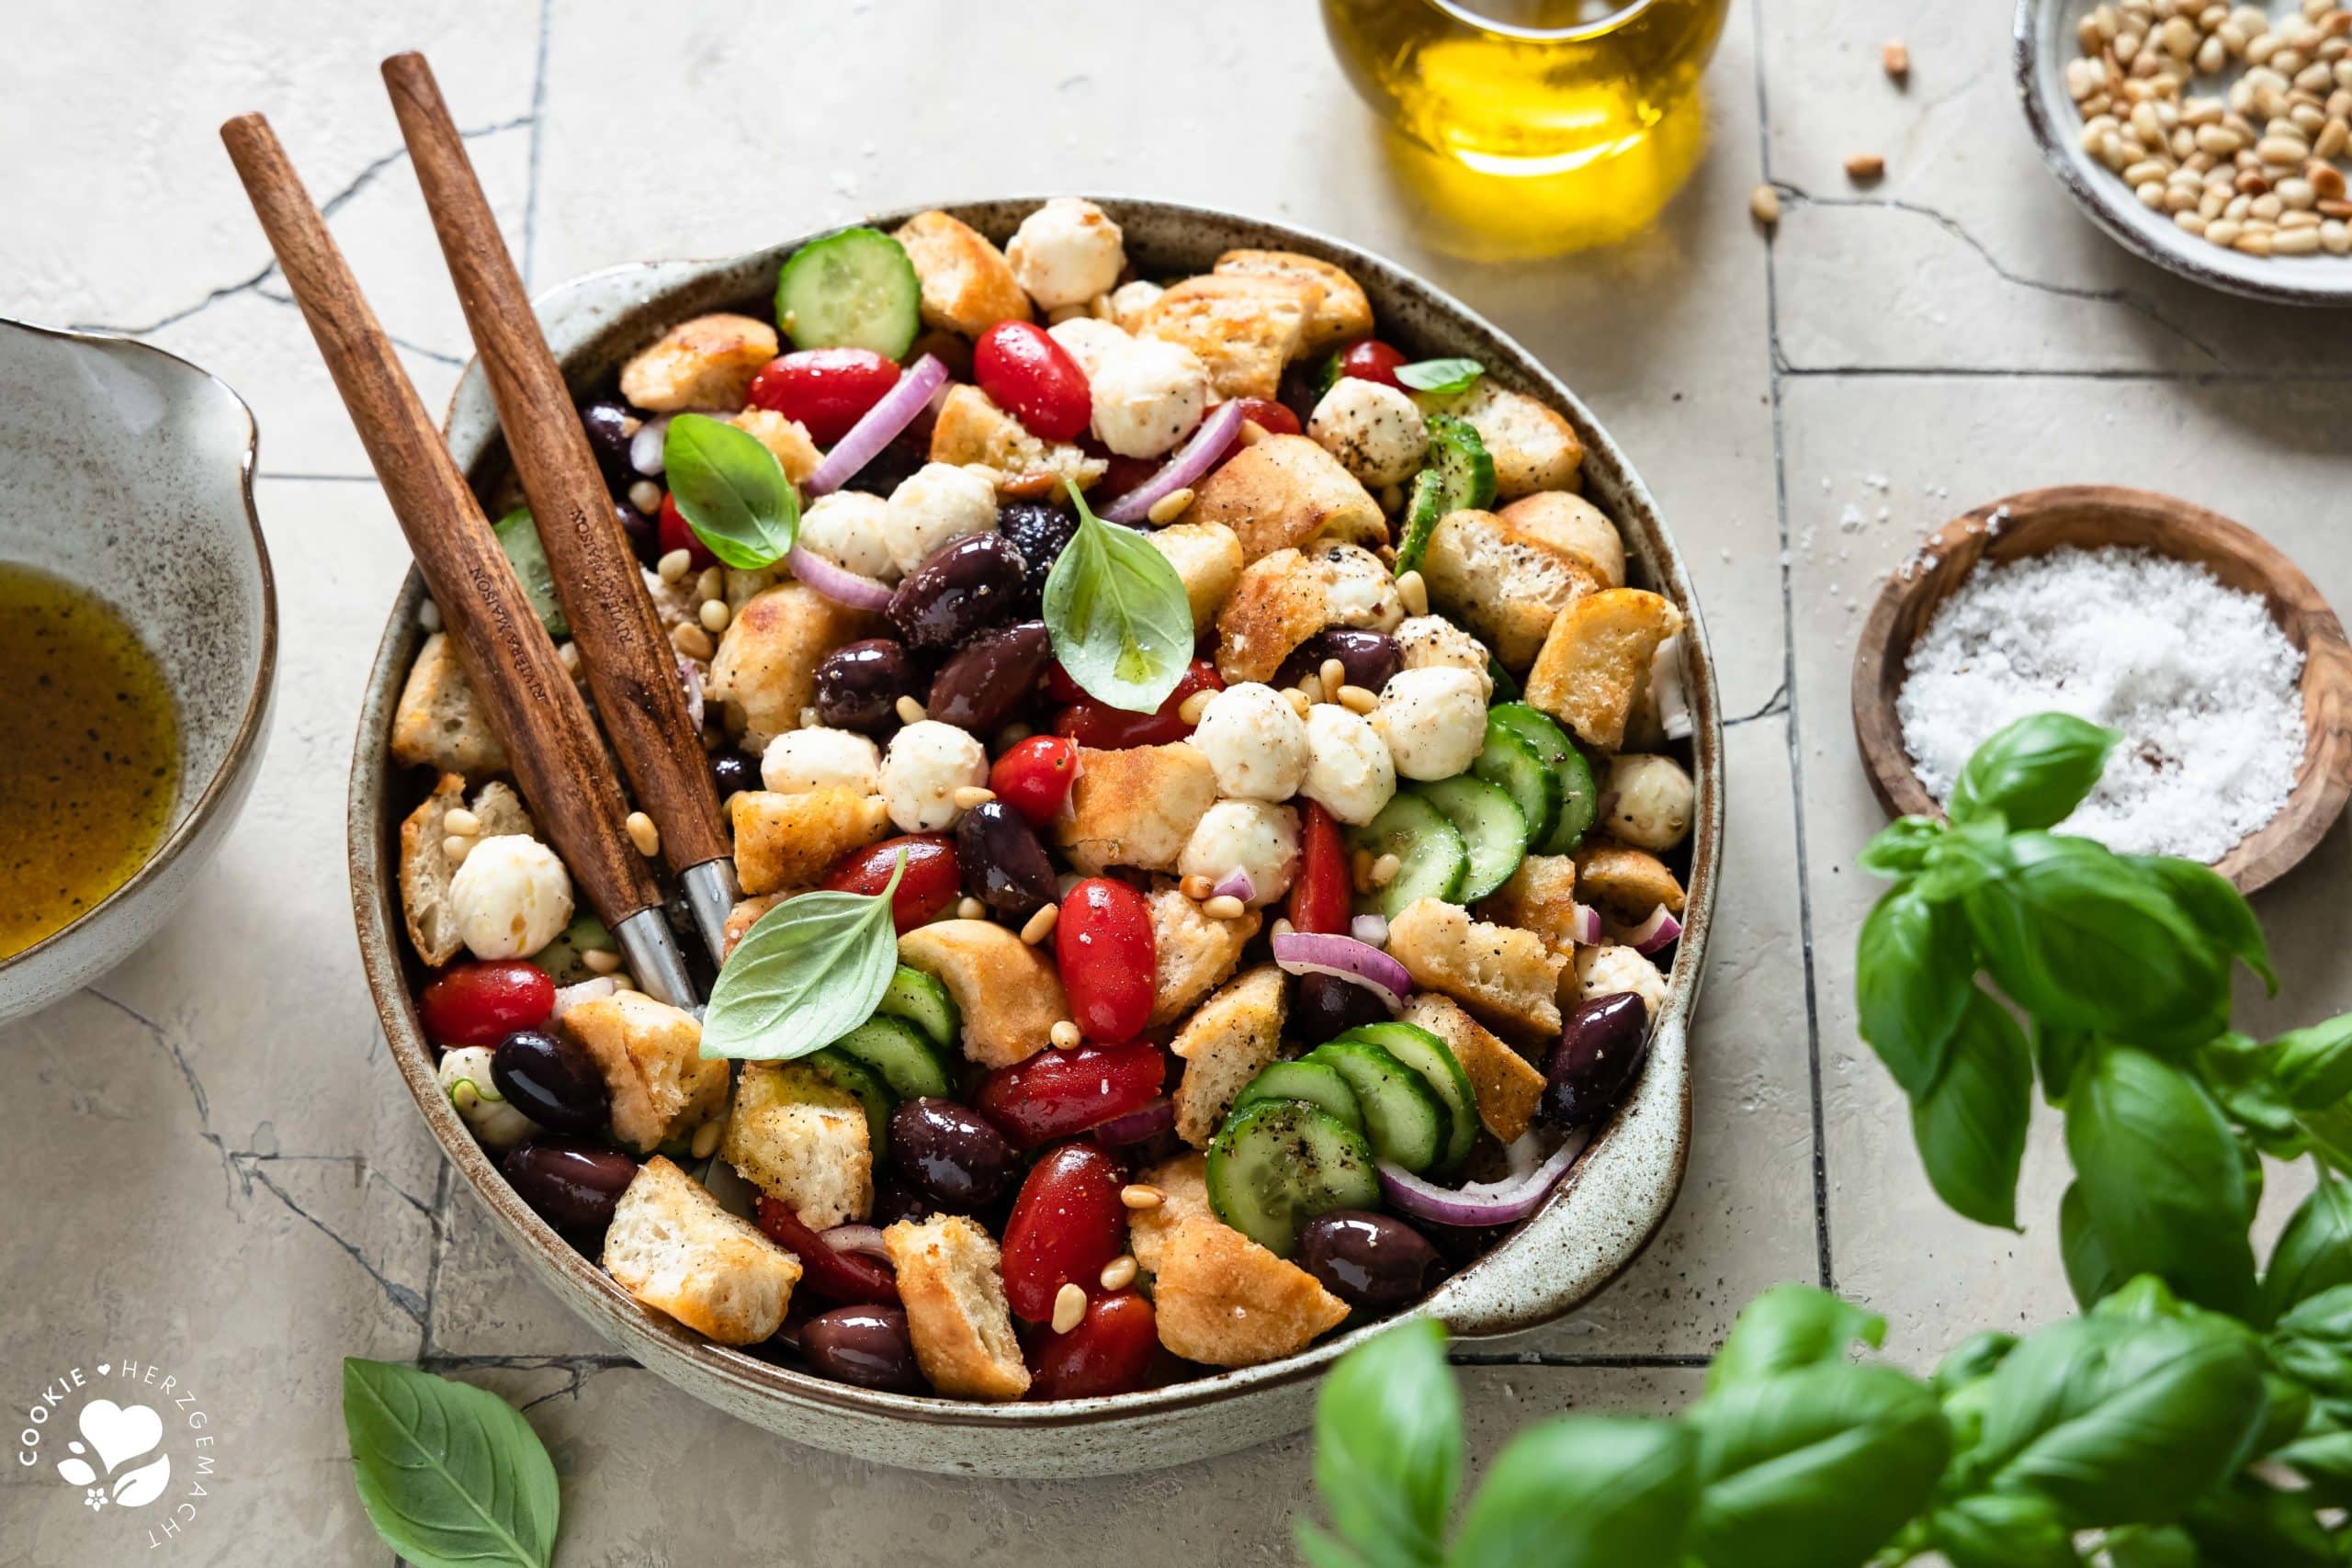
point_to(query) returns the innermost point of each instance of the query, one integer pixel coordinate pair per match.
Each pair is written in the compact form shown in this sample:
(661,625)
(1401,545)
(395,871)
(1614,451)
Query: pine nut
(2327,181)
(711,585)
(1119,1273)
(2295,242)
(1385,870)
(1334,673)
(1065,1035)
(1169,507)
(970,908)
(714,616)
(1414,590)
(456,847)
(1070,1307)
(2192,221)
(1141,1195)
(646,496)
(600,960)
(644,834)
(1197,888)
(969,797)
(2268,207)
(1764,205)
(1894,58)
(1358,700)
(692,640)
(1252,432)
(1041,924)
(1191,709)
(428,617)
(2335,237)
(2223,232)
(2330,138)
(460,821)
(1863,167)
(672,568)
(568,653)
(1224,907)
(910,711)
(1299,705)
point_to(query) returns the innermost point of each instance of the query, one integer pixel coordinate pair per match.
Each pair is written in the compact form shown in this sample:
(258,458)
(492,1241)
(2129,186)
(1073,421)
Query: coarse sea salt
(2198,678)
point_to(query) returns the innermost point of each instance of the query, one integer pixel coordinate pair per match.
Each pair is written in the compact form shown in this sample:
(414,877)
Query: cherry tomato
(1110,1351)
(1019,366)
(676,534)
(933,881)
(1322,899)
(1065,1227)
(827,389)
(1369,359)
(481,1004)
(1273,418)
(1057,1093)
(1106,728)
(1122,473)
(844,1277)
(1103,944)
(1034,775)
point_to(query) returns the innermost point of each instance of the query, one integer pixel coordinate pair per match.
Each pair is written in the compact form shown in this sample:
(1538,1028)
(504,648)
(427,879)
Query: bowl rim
(234,757)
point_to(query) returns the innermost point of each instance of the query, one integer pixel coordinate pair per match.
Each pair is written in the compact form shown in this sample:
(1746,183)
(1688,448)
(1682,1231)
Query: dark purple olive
(1370,658)
(1603,1042)
(859,685)
(892,466)
(1042,531)
(964,587)
(731,772)
(644,533)
(1329,1006)
(867,1346)
(951,1153)
(1367,1260)
(895,1199)
(1003,864)
(553,1082)
(574,1187)
(609,425)
(990,682)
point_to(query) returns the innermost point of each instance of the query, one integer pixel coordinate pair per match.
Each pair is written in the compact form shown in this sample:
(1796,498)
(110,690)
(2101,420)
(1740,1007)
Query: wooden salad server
(532,705)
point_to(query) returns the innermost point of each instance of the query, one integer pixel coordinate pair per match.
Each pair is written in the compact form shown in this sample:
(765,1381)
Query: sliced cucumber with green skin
(1506,686)
(563,958)
(854,289)
(1493,829)
(519,538)
(1442,1070)
(1310,1083)
(1512,762)
(1402,1117)
(1579,796)
(900,1056)
(847,1072)
(1276,1165)
(920,999)
(1432,859)
(1458,474)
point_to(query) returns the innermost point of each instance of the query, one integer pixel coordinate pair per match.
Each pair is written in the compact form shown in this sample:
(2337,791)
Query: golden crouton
(1288,596)
(1007,990)
(672,1247)
(1541,897)
(1567,524)
(1507,977)
(792,840)
(765,669)
(1506,1086)
(1284,493)
(1236,1033)
(971,429)
(1625,882)
(1207,558)
(1244,329)
(803,1141)
(425,868)
(1533,446)
(796,454)
(746,914)
(650,1056)
(1341,313)
(1503,584)
(439,722)
(950,1282)
(1134,807)
(967,285)
(707,363)
(1597,660)
(1224,1299)
(1191,955)
(1183,1187)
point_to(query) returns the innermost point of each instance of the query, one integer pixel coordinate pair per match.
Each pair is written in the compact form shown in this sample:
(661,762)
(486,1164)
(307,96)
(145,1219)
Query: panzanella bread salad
(1202,795)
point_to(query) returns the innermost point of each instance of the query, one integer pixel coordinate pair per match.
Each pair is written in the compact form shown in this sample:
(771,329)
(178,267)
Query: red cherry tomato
(676,534)
(1322,899)
(1066,1226)
(844,1277)
(1106,728)
(1057,1093)
(1273,418)
(1019,366)
(1369,359)
(933,881)
(481,1004)
(1110,1351)
(1122,473)
(827,389)
(1103,944)
(1034,776)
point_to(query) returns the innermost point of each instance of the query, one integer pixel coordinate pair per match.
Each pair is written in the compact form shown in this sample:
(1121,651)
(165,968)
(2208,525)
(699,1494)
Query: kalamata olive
(908,451)
(1369,658)
(963,587)
(644,533)
(553,1082)
(867,1346)
(1367,1260)
(609,425)
(731,771)
(895,1199)
(987,682)
(1003,864)
(573,1186)
(859,685)
(1603,1042)
(1042,531)
(1329,1006)
(951,1153)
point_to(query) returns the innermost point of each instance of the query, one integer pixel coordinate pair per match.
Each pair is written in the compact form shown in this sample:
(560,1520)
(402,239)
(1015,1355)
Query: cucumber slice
(1459,473)
(1493,829)
(1579,796)
(899,1055)
(1506,687)
(1511,763)
(847,1072)
(920,999)
(1310,1083)
(854,289)
(1442,1070)
(563,957)
(1401,1114)
(1434,859)
(519,538)
(1275,1165)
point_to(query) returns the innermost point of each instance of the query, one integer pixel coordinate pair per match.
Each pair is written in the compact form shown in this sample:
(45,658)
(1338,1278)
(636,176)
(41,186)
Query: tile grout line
(539,139)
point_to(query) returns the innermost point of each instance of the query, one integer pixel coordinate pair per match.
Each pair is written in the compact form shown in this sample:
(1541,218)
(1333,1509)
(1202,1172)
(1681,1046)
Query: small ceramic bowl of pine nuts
(2213,138)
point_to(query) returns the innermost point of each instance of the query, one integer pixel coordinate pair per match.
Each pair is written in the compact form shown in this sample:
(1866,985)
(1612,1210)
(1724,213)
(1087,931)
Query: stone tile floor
(212,1164)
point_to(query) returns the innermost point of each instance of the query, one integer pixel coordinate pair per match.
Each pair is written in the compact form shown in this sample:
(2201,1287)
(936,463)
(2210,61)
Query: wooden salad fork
(532,705)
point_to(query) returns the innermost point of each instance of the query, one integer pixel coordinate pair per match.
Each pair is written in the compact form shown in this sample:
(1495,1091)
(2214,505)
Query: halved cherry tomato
(1021,367)
(843,1277)
(1122,473)
(1103,946)
(1273,418)
(1054,1094)
(827,389)
(1106,728)
(1034,775)
(933,881)
(1322,899)
(1110,1351)
(1066,1226)
(676,534)
(1369,359)
(481,1004)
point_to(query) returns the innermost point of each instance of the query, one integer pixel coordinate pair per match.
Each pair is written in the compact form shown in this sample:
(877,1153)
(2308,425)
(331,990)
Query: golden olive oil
(89,754)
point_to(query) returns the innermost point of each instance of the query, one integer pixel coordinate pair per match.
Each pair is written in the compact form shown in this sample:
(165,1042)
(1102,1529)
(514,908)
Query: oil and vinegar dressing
(89,754)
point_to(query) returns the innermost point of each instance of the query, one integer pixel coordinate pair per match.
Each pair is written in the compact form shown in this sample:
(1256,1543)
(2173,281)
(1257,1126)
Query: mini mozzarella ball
(464,1076)
(511,897)
(1147,397)
(937,503)
(1649,801)
(1358,589)
(1249,836)
(1090,340)
(1130,300)
(848,528)
(1376,432)
(1066,253)
(1605,970)
(927,764)
(817,758)
(1434,720)
(1255,742)
(1349,772)
(1432,642)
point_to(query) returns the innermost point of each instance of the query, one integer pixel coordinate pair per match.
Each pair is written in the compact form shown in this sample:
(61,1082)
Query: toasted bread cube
(1533,446)
(1236,1033)
(1507,977)
(746,914)
(1244,329)
(1284,493)
(967,285)
(1134,807)
(650,1056)
(1625,882)
(788,439)
(440,723)
(426,871)
(1207,558)
(1597,661)
(971,429)
(672,1247)
(1567,524)
(1341,313)
(1287,597)
(803,1141)
(792,840)
(1191,955)
(1007,991)
(950,1280)
(1503,584)
(1224,1299)
(1183,1186)
(1539,896)
(707,363)
(765,669)
(1507,1085)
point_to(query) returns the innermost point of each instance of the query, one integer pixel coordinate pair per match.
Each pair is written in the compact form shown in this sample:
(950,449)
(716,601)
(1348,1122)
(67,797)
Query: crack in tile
(187,1075)
(399,1295)
(1774,705)
(1568,1359)
(538,126)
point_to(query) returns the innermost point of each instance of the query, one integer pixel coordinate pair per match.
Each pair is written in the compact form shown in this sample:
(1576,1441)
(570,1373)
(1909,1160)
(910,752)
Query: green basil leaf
(1117,614)
(2091,1271)
(812,970)
(2237,1072)
(2216,909)
(2312,1066)
(2056,1052)
(1321,1551)
(1584,1492)
(1899,848)
(1388,1446)
(1914,973)
(2287,1408)
(2315,1252)
(519,538)
(2003,1530)
(731,491)
(1971,1124)
(2311,1341)
(2324,1459)
(2250,1525)
(451,1474)
(1440,375)
(2033,771)
(1790,1326)
(2151,1546)
(1978,1356)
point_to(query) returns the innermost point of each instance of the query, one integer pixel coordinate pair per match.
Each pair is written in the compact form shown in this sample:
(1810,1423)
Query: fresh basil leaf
(2091,1271)
(2056,1052)
(1790,1326)
(2312,1066)
(2314,1251)
(1971,1124)
(1440,375)
(2287,1408)
(1960,862)
(1388,1446)
(2251,1524)
(812,970)
(1584,1492)
(1978,1356)
(731,491)
(2003,1530)
(2324,1460)
(1899,848)
(2033,771)
(2215,908)
(2151,1546)
(1914,973)
(2237,1072)
(1321,1551)
(451,1475)
(519,538)
(2311,1341)
(1117,614)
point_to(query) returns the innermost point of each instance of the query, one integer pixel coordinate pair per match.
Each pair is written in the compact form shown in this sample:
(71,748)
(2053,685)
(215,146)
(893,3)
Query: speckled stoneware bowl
(129,471)
(1594,1225)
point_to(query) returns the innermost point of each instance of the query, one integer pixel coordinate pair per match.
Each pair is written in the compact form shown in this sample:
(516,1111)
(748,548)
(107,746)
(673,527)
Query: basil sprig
(812,970)
(1116,612)
(451,1474)
(731,491)
(1443,376)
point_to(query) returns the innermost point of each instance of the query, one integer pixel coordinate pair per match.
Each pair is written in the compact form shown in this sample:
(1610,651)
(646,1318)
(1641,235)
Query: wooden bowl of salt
(2091,516)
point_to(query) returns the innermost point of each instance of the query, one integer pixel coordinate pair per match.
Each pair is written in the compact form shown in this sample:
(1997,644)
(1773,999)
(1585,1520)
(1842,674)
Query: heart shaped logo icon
(117,1434)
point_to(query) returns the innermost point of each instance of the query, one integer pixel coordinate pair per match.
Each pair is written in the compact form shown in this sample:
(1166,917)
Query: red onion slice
(879,427)
(1236,885)
(1327,953)
(1480,1203)
(645,446)
(1370,930)
(691,680)
(1584,926)
(1666,689)
(865,1241)
(1658,931)
(1192,459)
(569,996)
(838,584)
(1135,1126)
